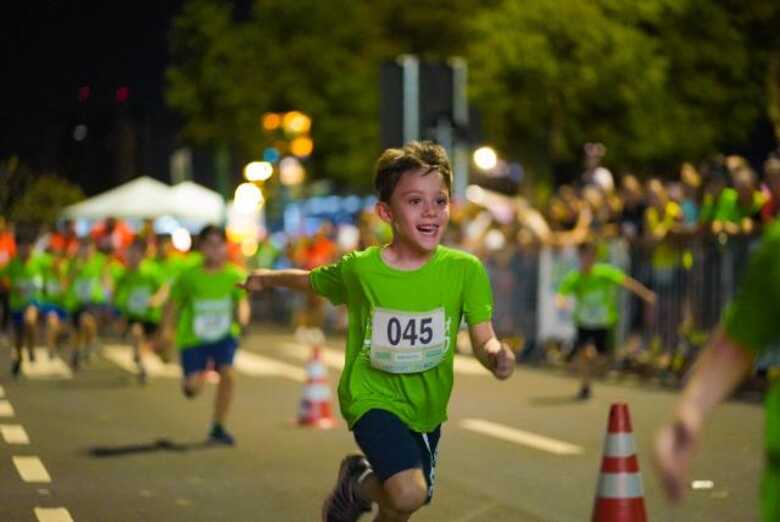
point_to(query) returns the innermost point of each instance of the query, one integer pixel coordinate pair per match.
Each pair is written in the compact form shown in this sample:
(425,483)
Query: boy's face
(214,249)
(587,258)
(419,209)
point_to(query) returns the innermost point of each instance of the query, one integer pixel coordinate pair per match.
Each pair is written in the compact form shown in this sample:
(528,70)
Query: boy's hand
(503,360)
(254,282)
(674,448)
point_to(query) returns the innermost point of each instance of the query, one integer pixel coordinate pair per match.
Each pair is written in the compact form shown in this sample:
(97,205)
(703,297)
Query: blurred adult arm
(263,278)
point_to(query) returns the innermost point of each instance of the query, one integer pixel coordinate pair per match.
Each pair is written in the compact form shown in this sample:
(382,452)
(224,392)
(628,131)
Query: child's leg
(53,327)
(585,364)
(30,325)
(399,497)
(137,338)
(224,396)
(193,365)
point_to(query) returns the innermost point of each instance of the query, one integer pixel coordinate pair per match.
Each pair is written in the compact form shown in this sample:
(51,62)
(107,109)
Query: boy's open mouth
(428,229)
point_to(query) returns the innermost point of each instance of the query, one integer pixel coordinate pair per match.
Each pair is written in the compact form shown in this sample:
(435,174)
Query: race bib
(593,311)
(138,301)
(213,318)
(407,342)
(84,289)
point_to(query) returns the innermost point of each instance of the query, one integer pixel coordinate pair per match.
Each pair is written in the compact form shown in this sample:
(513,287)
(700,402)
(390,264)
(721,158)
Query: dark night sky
(51,49)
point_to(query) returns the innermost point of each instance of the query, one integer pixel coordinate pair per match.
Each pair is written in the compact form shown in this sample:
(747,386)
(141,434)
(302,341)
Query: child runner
(594,286)
(749,329)
(405,302)
(53,306)
(26,280)
(88,277)
(138,295)
(208,310)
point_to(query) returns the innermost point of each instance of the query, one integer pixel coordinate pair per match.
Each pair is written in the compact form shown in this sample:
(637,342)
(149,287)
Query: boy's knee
(406,494)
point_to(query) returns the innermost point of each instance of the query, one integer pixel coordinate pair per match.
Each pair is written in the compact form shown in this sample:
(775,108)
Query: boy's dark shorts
(601,338)
(391,447)
(46,309)
(93,309)
(196,358)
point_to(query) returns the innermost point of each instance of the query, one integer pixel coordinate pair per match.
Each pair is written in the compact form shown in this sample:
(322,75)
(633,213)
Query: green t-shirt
(728,207)
(596,294)
(26,279)
(206,302)
(87,280)
(403,321)
(752,320)
(134,289)
(54,287)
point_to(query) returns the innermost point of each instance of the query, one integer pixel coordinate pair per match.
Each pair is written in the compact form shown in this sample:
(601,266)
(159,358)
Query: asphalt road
(102,447)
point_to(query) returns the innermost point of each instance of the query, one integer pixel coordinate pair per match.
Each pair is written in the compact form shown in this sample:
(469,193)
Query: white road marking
(2,392)
(250,363)
(122,356)
(6,410)
(14,434)
(525,438)
(45,367)
(52,515)
(464,365)
(31,469)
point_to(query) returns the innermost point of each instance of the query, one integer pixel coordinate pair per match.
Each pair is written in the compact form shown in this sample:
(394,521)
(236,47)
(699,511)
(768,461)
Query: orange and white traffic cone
(315,409)
(620,496)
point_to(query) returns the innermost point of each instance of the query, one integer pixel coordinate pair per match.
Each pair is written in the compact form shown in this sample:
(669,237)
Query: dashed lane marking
(122,356)
(6,410)
(31,469)
(525,438)
(14,434)
(250,363)
(53,515)
(45,367)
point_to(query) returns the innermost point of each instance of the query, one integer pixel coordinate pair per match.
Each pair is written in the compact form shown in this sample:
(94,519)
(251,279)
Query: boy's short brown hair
(414,155)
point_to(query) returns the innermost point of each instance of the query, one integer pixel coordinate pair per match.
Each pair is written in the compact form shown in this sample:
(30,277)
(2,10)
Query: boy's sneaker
(16,367)
(218,435)
(344,504)
(584,393)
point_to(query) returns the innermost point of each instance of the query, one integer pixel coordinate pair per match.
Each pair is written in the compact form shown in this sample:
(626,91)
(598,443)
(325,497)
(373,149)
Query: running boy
(52,308)
(594,286)
(209,309)
(138,295)
(405,302)
(26,277)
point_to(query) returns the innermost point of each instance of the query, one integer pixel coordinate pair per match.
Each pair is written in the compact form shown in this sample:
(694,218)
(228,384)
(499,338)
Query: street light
(485,158)
(258,171)
(248,197)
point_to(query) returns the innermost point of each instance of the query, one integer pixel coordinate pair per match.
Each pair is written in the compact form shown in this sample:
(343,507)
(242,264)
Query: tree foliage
(658,81)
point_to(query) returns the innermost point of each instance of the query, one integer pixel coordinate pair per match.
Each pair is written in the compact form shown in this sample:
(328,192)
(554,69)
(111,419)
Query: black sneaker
(16,367)
(75,361)
(584,393)
(344,504)
(218,435)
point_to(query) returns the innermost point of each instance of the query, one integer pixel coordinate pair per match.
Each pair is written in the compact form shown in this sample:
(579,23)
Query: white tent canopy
(146,197)
(142,197)
(193,202)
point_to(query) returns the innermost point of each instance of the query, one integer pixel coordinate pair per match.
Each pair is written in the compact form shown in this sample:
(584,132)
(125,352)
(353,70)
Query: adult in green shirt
(749,328)
(26,279)
(594,286)
(138,296)
(208,310)
(405,303)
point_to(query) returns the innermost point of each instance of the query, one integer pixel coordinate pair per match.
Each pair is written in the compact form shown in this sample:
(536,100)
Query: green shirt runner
(596,294)
(206,302)
(135,288)
(403,326)
(752,322)
(26,282)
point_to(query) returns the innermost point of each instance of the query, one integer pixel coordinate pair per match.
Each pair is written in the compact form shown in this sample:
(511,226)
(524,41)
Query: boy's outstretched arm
(289,278)
(716,373)
(644,293)
(492,353)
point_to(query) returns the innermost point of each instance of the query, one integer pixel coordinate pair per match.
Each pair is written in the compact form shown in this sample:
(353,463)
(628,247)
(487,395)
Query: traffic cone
(620,496)
(315,409)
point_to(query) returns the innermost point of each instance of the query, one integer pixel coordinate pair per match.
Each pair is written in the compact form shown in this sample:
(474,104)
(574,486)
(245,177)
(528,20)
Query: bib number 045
(407,342)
